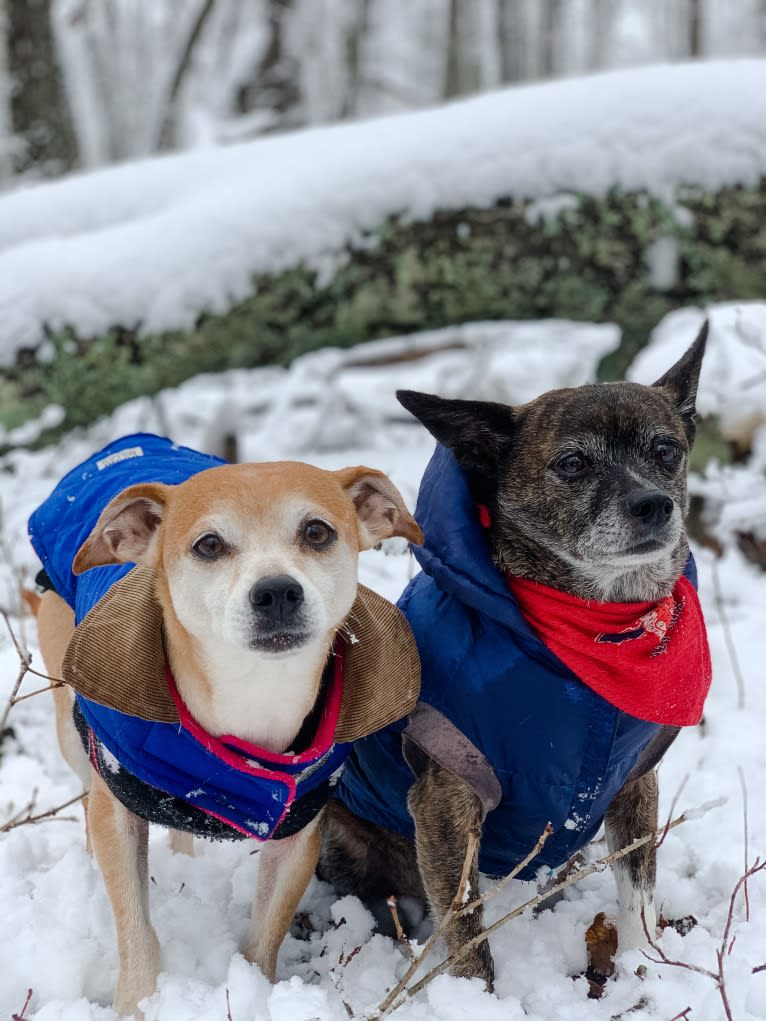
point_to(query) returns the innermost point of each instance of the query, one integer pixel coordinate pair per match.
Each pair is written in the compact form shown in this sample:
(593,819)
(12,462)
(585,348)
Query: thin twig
(494,890)
(26,809)
(22,1012)
(575,877)
(743,785)
(470,851)
(682,1015)
(38,691)
(672,809)
(728,637)
(24,654)
(15,821)
(55,681)
(23,667)
(400,934)
(721,953)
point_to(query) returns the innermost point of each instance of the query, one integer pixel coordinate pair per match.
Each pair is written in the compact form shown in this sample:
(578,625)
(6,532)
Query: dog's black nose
(277,597)
(652,506)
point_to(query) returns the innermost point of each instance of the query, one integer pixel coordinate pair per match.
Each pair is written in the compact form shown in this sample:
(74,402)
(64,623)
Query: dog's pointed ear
(126,529)
(681,381)
(477,432)
(379,507)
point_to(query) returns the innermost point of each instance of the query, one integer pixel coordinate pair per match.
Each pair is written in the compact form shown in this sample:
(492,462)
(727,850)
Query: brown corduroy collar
(116,657)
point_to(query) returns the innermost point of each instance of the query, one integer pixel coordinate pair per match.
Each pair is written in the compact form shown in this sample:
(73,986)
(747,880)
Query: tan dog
(252,570)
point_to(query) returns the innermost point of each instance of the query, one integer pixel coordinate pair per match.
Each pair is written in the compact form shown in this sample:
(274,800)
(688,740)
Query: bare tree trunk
(39,113)
(601,14)
(275,83)
(695,28)
(355,38)
(464,70)
(166,131)
(514,40)
(6,128)
(452,82)
(550,32)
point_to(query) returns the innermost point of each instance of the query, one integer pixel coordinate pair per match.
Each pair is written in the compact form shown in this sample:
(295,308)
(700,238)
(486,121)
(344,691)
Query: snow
(733,378)
(155,243)
(58,936)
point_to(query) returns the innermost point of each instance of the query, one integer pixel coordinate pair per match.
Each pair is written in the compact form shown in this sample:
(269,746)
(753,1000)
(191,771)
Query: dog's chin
(645,552)
(276,644)
(636,553)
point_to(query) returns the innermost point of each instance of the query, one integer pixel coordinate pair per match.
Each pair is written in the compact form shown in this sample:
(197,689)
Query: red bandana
(649,659)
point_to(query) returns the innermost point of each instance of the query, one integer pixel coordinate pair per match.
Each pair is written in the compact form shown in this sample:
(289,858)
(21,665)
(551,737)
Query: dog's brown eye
(571,465)
(209,546)
(668,454)
(317,533)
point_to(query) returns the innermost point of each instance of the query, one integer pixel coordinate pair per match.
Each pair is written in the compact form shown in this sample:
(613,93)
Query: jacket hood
(456,555)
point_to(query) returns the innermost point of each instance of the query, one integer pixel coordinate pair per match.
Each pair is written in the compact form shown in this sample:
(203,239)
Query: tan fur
(284,870)
(55,624)
(32,600)
(258,510)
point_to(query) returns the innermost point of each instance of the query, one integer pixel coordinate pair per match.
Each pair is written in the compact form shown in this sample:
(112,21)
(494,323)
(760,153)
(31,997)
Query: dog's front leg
(120,845)
(445,810)
(284,870)
(633,814)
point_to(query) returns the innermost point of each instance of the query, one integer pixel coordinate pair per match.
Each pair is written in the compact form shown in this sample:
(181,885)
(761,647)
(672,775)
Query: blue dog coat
(175,773)
(536,743)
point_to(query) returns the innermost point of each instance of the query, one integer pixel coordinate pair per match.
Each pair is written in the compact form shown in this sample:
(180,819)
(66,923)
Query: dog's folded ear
(477,432)
(125,531)
(380,508)
(681,381)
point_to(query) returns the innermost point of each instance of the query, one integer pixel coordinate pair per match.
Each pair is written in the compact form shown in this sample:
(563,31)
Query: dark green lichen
(586,262)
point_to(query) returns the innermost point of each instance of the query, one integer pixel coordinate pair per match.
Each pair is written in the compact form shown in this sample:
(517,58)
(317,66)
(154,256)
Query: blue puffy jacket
(549,748)
(169,773)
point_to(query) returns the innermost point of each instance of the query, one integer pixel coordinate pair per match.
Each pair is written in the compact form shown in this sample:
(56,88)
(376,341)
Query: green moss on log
(585,259)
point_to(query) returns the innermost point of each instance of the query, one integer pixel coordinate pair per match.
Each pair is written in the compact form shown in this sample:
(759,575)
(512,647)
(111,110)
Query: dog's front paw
(138,978)
(477,964)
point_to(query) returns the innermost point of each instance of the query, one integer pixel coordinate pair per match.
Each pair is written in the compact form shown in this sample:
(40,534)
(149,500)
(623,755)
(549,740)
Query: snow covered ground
(157,242)
(336,408)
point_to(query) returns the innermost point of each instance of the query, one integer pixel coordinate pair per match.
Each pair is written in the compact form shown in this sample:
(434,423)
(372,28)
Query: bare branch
(401,993)
(725,949)
(743,785)
(728,637)
(400,934)
(25,667)
(37,691)
(23,820)
(22,1012)
(673,804)
(494,890)
(389,1003)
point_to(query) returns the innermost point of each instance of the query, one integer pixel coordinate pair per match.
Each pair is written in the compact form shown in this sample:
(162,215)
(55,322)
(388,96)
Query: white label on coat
(120,455)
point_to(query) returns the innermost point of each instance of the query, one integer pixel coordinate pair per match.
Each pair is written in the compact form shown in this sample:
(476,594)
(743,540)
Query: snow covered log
(616,197)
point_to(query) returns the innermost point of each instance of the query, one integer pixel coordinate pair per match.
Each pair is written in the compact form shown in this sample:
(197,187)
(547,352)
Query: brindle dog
(587,490)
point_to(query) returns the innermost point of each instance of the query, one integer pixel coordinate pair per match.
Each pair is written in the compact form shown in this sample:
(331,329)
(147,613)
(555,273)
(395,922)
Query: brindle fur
(446,811)
(569,534)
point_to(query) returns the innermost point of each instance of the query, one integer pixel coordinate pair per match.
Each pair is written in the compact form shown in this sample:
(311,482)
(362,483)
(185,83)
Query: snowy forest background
(88,82)
(190,245)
